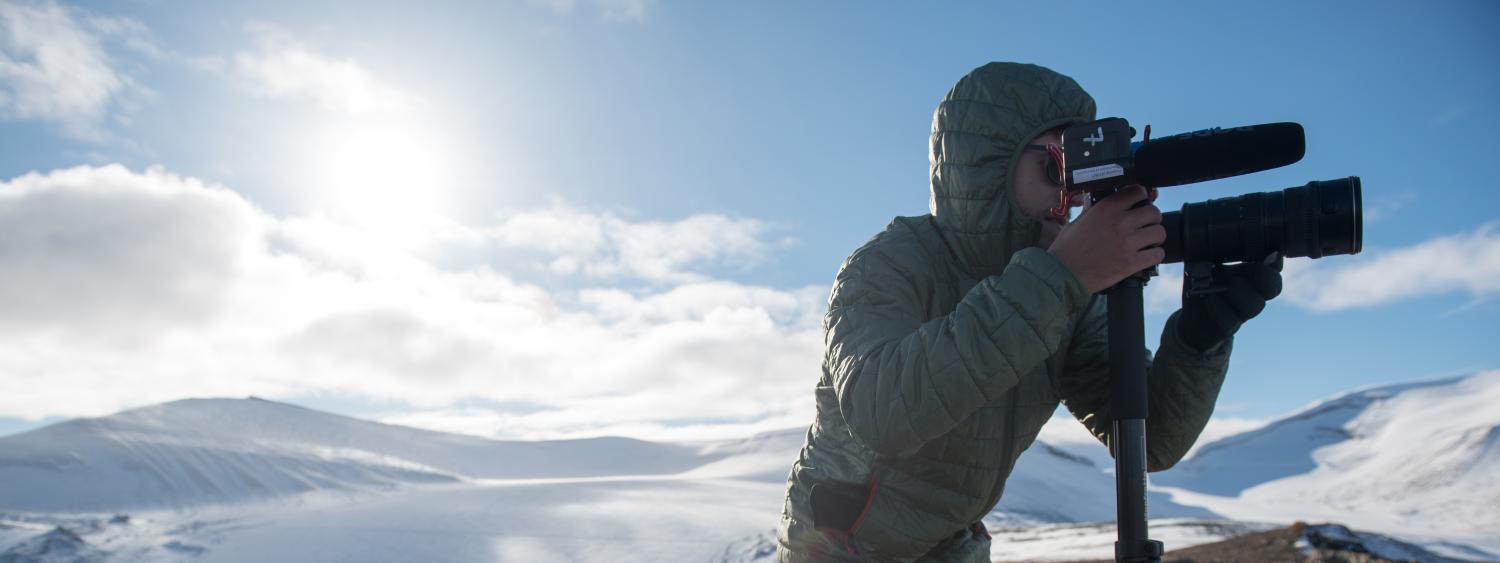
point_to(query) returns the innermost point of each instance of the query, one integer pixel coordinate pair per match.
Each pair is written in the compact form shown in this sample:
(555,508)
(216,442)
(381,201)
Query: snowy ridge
(765,457)
(1411,459)
(1284,447)
(1049,485)
(201,452)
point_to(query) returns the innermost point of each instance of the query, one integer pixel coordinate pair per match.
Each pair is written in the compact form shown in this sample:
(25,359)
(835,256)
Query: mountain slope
(1415,458)
(1051,485)
(221,451)
(203,452)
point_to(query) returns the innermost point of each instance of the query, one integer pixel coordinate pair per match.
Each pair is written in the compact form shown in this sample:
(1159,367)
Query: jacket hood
(977,134)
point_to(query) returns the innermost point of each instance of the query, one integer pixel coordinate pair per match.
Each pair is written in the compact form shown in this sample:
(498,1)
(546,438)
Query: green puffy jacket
(951,339)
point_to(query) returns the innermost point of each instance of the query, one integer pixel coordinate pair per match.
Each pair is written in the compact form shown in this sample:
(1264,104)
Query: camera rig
(1315,220)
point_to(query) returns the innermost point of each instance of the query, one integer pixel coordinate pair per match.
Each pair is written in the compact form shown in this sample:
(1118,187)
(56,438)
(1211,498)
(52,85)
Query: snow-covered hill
(205,452)
(200,452)
(266,481)
(1049,485)
(1417,458)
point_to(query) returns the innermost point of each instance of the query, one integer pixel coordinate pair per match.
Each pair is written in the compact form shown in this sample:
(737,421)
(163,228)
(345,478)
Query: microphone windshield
(1218,153)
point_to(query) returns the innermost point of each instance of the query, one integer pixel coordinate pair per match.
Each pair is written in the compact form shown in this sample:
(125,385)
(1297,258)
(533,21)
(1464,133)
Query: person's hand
(1211,318)
(1110,241)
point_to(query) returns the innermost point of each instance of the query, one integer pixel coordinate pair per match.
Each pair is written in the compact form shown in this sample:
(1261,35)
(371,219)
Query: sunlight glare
(383,171)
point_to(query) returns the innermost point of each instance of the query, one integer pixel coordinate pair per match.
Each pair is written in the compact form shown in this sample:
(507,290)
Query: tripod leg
(1127,363)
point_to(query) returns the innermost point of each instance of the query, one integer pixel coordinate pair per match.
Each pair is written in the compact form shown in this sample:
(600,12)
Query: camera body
(1098,156)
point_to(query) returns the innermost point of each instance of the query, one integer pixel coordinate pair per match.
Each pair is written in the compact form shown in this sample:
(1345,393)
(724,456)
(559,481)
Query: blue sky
(565,218)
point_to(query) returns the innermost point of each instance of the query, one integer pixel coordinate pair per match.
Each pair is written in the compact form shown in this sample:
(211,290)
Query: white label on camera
(1097,173)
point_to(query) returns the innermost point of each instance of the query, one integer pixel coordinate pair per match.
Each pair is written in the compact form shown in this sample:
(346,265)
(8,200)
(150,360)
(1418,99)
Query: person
(952,337)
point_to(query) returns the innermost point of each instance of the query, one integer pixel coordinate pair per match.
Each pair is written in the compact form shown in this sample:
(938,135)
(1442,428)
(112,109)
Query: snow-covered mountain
(1050,485)
(1416,458)
(205,452)
(200,452)
(253,480)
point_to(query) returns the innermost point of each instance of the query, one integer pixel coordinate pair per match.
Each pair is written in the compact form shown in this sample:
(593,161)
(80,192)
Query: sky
(564,218)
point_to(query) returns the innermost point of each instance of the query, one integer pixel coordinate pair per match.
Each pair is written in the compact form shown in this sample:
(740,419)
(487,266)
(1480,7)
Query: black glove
(1210,318)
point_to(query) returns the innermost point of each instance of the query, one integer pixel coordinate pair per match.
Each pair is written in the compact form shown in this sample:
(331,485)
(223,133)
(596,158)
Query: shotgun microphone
(1216,153)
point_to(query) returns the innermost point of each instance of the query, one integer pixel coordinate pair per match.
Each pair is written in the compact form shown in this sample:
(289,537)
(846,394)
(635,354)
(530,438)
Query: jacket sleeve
(1182,387)
(902,381)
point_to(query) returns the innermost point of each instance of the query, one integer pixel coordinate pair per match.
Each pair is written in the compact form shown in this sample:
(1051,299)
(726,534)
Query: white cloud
(697,300)
(54,66)
(389,340)
(1164,292)
(1466,263)
(282,67)
(126,288)
(604,245)
(104,250)
(528,424)
(1460,263)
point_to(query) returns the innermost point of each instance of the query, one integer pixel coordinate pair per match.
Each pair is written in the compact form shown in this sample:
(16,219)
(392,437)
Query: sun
(376,170)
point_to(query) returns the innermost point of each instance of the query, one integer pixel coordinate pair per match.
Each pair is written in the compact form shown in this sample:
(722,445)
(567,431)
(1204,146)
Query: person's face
(1034,193)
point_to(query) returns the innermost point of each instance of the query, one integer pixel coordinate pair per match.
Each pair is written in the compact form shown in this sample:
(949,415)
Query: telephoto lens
(1316,220)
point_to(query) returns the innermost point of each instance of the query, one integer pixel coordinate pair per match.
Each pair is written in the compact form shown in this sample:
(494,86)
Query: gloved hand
(1208,319)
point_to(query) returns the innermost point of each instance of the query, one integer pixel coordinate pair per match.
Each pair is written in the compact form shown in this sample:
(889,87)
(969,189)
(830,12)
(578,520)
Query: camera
(1322,218)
